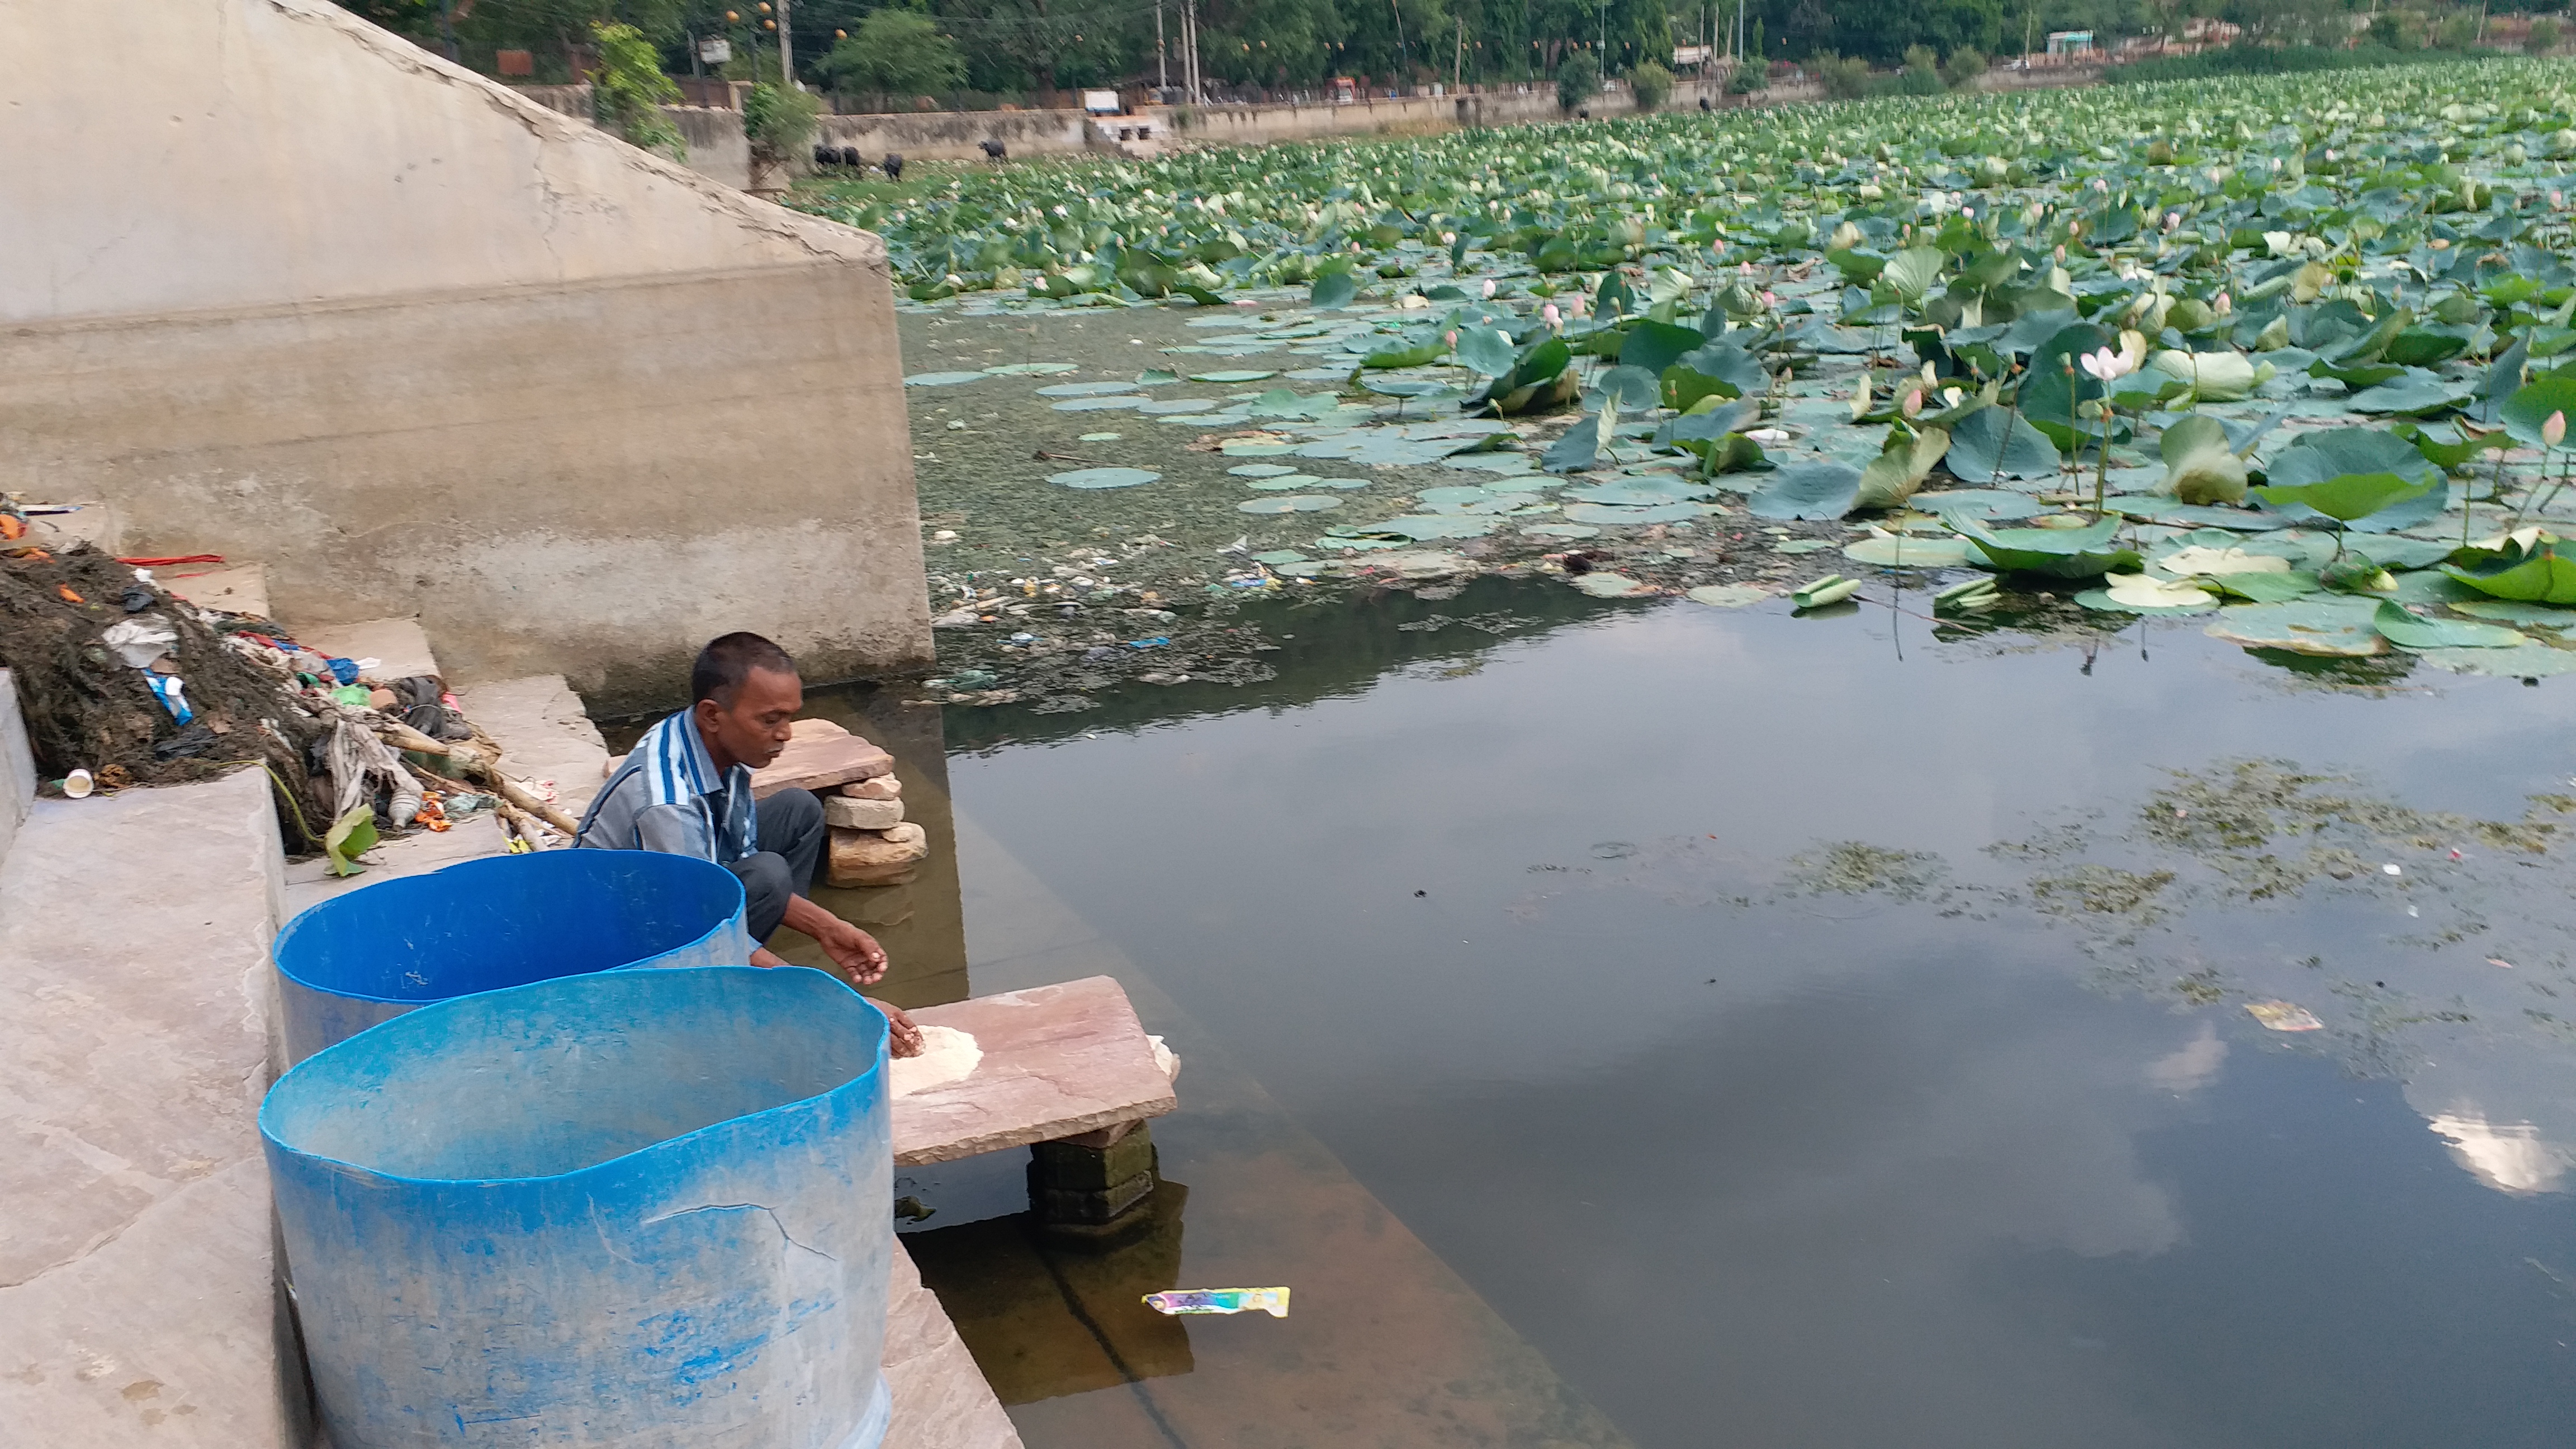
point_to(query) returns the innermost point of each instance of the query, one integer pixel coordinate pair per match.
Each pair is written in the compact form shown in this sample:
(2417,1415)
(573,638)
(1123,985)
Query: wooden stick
(476,763)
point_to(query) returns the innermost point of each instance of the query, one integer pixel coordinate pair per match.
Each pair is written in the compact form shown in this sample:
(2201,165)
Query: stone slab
(848,813)
(399,646)
(941,1400)
(100,525)
(544,734)
(1058,1060)
(310,882)
(875,787)
(821,755)
(234,589)
(138,1304)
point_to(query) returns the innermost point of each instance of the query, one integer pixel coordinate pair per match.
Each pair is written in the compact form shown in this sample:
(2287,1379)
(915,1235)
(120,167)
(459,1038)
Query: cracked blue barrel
(623,1209)
(370,955)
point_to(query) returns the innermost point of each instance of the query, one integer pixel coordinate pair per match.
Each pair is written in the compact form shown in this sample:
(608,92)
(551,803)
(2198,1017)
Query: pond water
(1802,1031)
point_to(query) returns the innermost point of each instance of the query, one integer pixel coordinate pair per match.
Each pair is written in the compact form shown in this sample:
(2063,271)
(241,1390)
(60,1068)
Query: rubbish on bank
(172,691)
(78,784)
(1273,1301)
(2284,1016)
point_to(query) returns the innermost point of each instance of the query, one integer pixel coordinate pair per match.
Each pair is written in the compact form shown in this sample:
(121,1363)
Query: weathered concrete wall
(956,135)
(17,764)
(424,347)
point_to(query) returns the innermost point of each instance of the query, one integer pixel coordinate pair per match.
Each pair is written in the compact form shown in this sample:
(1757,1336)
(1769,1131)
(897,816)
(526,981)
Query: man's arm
(853,950)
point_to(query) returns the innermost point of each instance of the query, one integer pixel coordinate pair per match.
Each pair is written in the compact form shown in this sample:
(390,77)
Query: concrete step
(234,588)
(398,646)
(98,524)
(139,1303)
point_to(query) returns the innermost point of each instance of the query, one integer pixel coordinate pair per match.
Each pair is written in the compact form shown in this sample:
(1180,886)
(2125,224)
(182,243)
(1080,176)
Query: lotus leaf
(1287,483)
(1892,476)
(1104,477)
(1994,443)
(2526,661)
(1652,346)
(1720,369)
(2213,376)
(2413,631)
(1608,586)
(1580,446)
(2201,465)
(2066,553)
(2264,588)
(1635,517)
(1911,272)
(1486,351)
(1727,596)
(1334,289)
(1085,389)
(2528,568)
(1046,369)
(2325,626)
(1982,504)
(1898,551)
(2202,559)
(1562,530)
(1632,387)
(2508,611)
(942,379)
(1235,375)
(1814,491)
(1295,503)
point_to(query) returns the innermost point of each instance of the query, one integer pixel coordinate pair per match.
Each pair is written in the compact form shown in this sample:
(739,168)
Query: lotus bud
(1450,338)
(1489,287)
(1553,316)
(2172,219)
(2222,304)
(2558,201)
(1574,305)
(2554,431)
(1770,299)
(1967,213)
(2061,252)
(1913,403)
(1448,238)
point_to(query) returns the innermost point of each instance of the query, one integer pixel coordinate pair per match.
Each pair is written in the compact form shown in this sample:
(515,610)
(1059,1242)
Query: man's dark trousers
(791,845)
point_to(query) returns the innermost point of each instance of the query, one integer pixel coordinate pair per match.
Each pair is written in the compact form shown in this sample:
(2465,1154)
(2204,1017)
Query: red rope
(154,563)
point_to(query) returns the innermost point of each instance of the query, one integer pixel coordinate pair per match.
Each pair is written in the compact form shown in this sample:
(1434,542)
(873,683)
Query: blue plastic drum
(505,920)
(623,1209)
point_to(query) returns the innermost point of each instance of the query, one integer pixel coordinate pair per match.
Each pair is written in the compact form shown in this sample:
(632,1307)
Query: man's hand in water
(856,952)
(903,1038)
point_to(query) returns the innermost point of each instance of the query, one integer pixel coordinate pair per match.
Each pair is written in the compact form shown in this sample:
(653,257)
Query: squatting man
(686,790)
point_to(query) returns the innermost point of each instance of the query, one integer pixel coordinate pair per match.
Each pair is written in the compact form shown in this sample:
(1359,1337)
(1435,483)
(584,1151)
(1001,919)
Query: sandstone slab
(1058,1061)
(872,857)
(875,787)
(819,756)
(843,813)
(941,1400)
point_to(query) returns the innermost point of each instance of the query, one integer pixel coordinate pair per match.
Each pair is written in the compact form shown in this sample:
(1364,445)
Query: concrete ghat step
(139,1304)
(398,645)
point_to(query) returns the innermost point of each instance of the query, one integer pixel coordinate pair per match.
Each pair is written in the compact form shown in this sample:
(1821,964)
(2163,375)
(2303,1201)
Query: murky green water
(1802,1032)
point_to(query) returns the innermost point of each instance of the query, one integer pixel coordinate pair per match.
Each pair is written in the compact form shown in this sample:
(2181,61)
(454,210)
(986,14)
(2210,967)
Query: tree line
(1007,48)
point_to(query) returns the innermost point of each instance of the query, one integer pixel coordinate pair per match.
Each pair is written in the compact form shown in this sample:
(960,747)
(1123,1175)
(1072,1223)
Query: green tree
(1578,79)
(1652,83)
(2544,36)
(1963,67)
(777,121)
(894,52)
(628,91)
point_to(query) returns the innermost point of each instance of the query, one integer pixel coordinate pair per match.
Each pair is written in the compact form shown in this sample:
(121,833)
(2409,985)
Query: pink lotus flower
(2223,304)
(2554,431)
(1967,213)
(1451,338)
(2106,365)
(1553,316)
(1489,287)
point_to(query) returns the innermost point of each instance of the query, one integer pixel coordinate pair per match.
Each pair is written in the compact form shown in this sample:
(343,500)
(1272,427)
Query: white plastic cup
(78,784)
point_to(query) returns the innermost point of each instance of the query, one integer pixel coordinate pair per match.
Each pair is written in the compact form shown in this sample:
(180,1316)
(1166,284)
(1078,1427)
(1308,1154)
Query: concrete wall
(953,135)
(424,347)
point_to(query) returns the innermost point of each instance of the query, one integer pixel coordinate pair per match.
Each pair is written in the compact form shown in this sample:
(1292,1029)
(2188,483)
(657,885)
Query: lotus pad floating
(1978,503)
(1607,586)
(1097,404)
(1246,448)
(2507,611)
(942,379)
(1641,493)
(1427,526)
(2526,661)
(1294,503)
(1345,484)
(1561,530)
(1635,517)
(1104,477)
(2413,631)
(1100,437)
(1261,470)
(2145,594)
(1279,556)
(1085,389)
(2334,627)
(1892,551)
(1162,405)
(1030,369)
(1286,483)
(1235,375)
(1728,596)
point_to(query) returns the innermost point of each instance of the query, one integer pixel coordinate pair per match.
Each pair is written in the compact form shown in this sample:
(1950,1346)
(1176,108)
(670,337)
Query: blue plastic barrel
(505,920)
(623,1209)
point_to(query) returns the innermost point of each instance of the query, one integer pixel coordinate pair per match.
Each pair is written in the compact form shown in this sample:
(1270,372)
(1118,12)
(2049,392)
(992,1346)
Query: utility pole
(447,26)
(1398,8)
(786,57)
(1459,58)
(1162,63)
